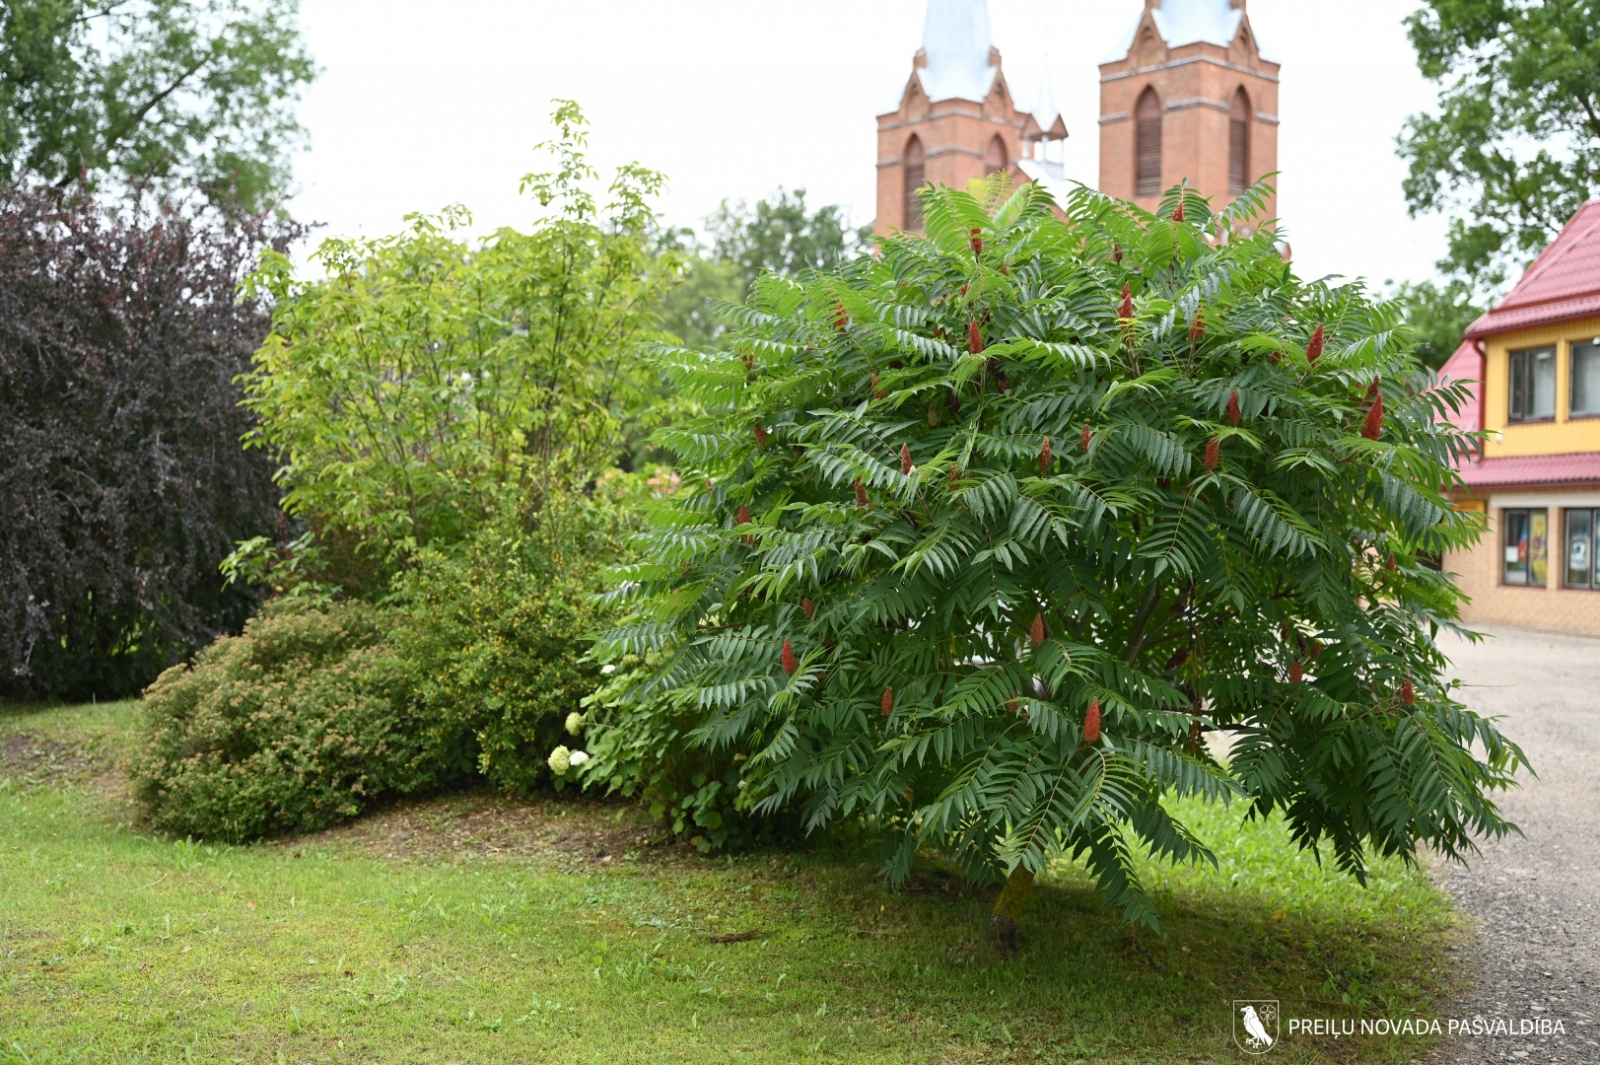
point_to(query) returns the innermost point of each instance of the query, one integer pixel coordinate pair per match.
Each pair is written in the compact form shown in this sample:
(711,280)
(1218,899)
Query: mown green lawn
(466,930)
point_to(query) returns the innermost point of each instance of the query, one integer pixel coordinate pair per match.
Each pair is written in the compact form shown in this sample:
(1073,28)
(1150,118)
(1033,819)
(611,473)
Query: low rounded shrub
(303,721)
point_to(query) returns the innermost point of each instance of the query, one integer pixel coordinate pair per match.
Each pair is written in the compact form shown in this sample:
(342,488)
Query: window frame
(1574,414)
(1590,583)
(1525,357)
(1536,552)
(1145,183)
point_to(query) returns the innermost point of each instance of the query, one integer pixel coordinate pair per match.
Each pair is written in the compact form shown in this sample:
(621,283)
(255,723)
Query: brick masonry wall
(1549,607)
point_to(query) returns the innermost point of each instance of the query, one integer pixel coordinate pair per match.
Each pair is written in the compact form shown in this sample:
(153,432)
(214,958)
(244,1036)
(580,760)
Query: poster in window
(1538,546)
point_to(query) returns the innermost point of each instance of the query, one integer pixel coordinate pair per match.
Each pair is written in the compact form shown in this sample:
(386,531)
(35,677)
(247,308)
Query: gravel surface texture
(1536,897)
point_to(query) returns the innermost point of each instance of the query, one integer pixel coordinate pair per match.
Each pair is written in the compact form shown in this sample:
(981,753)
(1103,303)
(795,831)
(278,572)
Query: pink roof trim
(1563,282)
(1528,470)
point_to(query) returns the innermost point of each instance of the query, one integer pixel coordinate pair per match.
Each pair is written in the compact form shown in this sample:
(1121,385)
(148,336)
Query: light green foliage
(442,933)
(1184,599)
(169,94)
(302,721)
(425,382)
(494,637)
(1514,148)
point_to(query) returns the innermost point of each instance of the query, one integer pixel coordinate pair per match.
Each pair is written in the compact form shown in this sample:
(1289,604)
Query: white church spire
(956,42)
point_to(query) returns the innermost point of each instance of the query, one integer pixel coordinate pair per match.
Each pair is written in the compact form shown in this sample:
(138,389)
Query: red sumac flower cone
(1126,310)
(1233,408)
(761,436)
(1036,630)
(974,338)
(1213,453)
(1091,722)
(1314,348)
(809,607)
(1408,693)
(1373,428)
(1297,673)
(861,493)
(790,662)
(905,459)
(887,702)
(1045,457)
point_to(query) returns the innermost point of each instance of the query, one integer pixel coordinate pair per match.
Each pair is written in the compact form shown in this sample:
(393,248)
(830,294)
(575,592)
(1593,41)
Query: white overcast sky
(424,104)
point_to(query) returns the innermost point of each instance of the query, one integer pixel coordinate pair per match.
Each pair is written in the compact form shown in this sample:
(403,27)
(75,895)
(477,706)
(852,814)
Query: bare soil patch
(30,761)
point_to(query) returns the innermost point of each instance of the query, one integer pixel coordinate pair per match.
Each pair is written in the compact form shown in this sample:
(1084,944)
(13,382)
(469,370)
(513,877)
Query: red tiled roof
(1530,470)
(1563,282)
(1466,365)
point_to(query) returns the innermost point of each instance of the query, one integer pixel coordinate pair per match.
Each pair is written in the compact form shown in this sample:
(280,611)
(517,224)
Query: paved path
(1537,898)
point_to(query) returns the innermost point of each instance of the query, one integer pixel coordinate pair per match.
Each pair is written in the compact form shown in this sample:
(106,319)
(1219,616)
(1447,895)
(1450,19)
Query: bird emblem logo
(1255,1025)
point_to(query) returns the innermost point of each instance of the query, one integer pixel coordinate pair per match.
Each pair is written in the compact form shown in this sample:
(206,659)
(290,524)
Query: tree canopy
(173,95)
(982,538)
(1514,149)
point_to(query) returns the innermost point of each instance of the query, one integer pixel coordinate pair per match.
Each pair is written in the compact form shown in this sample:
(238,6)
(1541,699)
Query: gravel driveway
(1537,898)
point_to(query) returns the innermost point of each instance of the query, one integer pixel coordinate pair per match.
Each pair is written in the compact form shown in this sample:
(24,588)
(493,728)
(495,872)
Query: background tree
(122,481)
(1438,313)
(979,540)
(779,235)
(167,94)
(1514,149)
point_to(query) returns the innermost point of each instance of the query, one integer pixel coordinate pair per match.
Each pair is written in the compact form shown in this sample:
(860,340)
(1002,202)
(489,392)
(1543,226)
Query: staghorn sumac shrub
(1014,652)
(123,483)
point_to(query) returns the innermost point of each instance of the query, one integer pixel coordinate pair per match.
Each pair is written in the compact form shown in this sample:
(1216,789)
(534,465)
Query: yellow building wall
(1564,434)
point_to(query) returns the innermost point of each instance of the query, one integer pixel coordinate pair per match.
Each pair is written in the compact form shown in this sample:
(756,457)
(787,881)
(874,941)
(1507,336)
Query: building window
(1585,376)
(1147,148)
(994,156)
(1239,143)
(916,168)
(1533,384)
(1580,549)
(1527,534)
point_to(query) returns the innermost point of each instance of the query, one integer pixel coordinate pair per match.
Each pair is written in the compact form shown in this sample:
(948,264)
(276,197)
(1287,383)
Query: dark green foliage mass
(1514,148)
(949,505)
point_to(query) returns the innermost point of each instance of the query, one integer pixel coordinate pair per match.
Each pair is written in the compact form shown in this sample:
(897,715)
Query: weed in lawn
(448,931)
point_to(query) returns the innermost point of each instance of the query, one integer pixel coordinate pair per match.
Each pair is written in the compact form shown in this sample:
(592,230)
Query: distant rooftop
(1563,282)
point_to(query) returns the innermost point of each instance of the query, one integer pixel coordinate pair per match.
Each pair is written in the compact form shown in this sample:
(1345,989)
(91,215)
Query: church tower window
(994,156)
(1147,146)
(1239,143)
(916,168)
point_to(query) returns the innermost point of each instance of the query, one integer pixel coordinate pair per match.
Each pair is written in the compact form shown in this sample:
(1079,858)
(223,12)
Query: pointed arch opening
(1147,145)
(1239,142)
(995,156)
(915,164)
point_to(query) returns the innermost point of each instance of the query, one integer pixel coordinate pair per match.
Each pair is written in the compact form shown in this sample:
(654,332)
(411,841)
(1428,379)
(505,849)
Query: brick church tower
(956,119)
(1189,93)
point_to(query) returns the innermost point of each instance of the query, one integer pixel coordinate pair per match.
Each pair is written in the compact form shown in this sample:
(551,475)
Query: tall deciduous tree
(981,538)
(1514,149)
(166,94)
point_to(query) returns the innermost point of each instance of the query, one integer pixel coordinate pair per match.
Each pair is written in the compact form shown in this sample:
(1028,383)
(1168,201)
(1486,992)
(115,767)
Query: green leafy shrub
(304,720)
(496,635)
(982,537)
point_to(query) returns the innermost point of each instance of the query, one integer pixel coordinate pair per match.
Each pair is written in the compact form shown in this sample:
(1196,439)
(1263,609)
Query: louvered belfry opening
(994,156)
(1147,123)
(916,168)
(1239,143)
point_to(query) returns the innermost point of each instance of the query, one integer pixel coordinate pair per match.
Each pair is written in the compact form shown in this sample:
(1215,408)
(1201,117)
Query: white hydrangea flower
(575,723)
(577,758)
(561,760)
